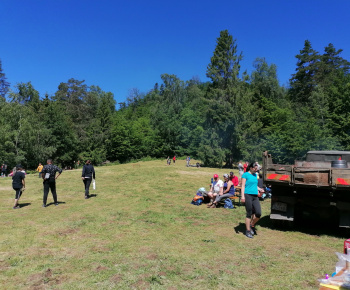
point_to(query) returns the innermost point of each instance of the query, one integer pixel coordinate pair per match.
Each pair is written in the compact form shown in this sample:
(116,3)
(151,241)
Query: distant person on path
(49,176)
(174,159)
(188,161)
(87,175)
(18,184)
(249,194)
(39,169)
(240,171)
(245,166)
(4,169)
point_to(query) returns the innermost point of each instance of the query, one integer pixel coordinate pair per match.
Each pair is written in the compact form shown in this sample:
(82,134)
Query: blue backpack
(197,202)
(228,203)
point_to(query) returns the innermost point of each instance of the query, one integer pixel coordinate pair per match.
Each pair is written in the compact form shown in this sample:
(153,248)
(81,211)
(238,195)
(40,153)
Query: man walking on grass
(49,176)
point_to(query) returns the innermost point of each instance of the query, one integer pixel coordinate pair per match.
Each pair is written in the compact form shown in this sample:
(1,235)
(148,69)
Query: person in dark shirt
(18,184)
(87,175)
(49,176)
(4,170)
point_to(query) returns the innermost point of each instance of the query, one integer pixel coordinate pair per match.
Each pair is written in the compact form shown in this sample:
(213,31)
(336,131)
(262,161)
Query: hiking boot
(56,204)
(248,234)
(44,205)
(86,196)
(252,230)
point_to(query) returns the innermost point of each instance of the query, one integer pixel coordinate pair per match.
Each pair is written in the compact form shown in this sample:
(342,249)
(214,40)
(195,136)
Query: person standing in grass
(39,169)
(87,175)
(4,170)
(174,159)
(188,161)
(49,176)
(249,194)
(18,184)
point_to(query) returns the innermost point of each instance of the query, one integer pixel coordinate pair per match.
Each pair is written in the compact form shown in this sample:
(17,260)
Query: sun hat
(225,175)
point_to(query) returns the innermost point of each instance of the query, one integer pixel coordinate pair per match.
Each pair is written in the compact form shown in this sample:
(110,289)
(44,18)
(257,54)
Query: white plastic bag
(93,184)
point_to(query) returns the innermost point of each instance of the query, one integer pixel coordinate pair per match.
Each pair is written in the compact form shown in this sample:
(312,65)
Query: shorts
(18,192)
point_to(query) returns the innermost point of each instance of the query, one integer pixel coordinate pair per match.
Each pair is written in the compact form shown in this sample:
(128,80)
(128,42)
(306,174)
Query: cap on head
(225,175)
(216,176)
(231,173)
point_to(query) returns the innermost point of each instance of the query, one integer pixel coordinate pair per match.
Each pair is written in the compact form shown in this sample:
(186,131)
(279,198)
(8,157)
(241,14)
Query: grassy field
(141,232)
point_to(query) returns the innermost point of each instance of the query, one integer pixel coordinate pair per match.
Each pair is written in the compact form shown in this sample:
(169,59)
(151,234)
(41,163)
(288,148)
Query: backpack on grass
(228,203)
(198,199)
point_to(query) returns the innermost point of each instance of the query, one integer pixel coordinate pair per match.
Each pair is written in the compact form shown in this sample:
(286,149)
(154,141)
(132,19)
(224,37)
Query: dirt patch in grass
(68,232)
(141,284)
(101,268)
(42,280)
(116,278)
(100,249)
(152,256)
(3,266)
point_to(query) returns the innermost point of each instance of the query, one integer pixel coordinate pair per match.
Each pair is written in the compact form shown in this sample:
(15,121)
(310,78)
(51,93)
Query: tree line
(233,116)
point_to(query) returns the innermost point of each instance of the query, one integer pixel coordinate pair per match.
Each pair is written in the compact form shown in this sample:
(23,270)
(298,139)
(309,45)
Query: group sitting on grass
(222,189)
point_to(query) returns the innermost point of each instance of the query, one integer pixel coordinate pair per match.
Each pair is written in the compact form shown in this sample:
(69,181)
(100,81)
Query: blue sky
(121,45)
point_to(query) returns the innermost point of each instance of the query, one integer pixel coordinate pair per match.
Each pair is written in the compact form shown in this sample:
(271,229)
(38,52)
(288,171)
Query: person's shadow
(52,203)
(263,222)
(240,228)
(24,204)
(92,195)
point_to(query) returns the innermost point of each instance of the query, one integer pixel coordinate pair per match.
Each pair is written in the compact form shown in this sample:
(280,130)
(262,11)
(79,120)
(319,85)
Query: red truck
(317,188)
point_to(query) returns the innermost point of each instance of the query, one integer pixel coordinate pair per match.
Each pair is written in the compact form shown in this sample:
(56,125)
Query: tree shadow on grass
(24,204)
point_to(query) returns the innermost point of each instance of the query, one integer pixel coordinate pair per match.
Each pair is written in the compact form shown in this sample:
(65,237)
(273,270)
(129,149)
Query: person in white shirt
(216,188)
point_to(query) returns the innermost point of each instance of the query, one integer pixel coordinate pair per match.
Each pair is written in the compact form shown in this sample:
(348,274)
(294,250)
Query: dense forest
(234,116)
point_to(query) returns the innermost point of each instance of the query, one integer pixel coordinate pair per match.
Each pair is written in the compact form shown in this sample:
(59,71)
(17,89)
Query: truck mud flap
(282,208)
(276,216)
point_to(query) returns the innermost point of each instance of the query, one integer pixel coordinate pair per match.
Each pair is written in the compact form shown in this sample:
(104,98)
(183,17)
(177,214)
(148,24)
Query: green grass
(141,232)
